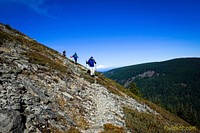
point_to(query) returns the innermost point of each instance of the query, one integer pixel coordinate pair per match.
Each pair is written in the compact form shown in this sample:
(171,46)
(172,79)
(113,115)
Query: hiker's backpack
(91,62)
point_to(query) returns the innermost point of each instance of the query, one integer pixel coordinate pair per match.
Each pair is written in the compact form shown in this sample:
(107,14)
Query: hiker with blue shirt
(75,56)
(91,62)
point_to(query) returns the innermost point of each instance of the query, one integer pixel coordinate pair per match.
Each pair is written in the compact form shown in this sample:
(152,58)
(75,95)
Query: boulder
(11,121)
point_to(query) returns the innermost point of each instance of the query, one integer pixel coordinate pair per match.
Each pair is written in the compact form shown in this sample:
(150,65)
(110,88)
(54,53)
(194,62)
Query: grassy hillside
(59,88)
(173,84)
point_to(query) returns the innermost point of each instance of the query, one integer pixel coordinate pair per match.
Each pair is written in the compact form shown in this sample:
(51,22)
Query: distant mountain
(102,70)
(173,84)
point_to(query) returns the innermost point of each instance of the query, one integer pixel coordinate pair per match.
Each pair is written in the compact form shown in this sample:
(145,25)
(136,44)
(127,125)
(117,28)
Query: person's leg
(92,71)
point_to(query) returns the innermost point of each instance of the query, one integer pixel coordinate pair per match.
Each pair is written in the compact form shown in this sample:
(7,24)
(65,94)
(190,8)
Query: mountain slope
(42,91)
(173,84)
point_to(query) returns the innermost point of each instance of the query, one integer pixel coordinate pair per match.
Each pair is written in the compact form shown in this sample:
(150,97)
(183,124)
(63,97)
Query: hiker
(75,56)
(64,53)
(91,63)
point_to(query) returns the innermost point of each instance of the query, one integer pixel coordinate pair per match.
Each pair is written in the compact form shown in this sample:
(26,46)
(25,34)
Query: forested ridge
(173,84)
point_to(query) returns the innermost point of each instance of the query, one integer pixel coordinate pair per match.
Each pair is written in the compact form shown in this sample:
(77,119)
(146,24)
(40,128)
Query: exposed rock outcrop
(147,74)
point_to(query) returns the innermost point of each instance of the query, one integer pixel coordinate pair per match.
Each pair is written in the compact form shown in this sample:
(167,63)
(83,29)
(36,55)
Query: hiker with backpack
(91,62)
(75,56)
(64,53)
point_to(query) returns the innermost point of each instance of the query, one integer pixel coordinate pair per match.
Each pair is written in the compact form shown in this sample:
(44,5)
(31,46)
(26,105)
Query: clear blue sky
(115,32)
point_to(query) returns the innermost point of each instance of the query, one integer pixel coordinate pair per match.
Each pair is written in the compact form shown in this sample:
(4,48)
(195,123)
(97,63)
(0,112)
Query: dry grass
(143,122)
(40,59)
(150,123)
(5,37)
(13,30)
(81,122)
(88,78)
(54,130)
(112,86)
(110,128)
(73,130)
(61,102)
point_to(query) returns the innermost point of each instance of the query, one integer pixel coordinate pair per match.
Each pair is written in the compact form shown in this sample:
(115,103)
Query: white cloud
(36,5)
(101,67)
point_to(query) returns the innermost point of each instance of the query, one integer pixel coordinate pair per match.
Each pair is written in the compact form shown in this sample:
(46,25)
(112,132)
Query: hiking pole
(86,66)
(95,81)
(95,68)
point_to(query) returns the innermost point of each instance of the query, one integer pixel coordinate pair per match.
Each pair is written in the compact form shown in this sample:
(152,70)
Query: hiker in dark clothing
(64,53)
(75,56)
(91,62)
